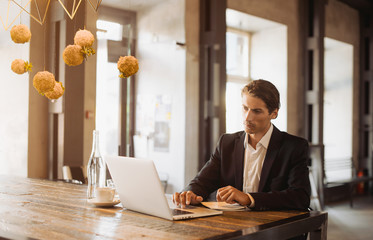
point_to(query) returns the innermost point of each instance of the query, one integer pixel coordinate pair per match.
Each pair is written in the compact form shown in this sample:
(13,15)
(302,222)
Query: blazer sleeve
(290,189)
(208,178)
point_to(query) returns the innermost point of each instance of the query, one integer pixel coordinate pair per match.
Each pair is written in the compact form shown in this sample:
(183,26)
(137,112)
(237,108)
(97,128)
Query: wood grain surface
(43,209)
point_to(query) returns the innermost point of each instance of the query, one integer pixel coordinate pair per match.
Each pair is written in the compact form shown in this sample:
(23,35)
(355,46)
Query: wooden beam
(361,5)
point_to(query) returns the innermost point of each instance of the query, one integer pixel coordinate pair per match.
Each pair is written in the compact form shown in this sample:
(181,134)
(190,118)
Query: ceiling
(248,23)
(235,19)
(133,5)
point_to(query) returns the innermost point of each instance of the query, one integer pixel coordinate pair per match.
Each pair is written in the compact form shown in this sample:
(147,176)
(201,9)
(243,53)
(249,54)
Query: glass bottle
(96,169)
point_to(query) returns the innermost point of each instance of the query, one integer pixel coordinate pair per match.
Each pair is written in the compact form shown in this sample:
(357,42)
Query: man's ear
(274,114)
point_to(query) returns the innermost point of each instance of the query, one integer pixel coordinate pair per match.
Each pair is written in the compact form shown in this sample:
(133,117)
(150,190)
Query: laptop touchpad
(180,212)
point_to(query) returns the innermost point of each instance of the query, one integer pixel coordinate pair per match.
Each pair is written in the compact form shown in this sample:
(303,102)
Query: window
(256,49)
(107,88)
(237,76)
(14,98)
(338,109)
(114,96)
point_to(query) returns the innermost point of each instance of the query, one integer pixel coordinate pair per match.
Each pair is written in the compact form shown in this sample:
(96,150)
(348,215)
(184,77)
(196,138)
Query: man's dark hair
(264,90)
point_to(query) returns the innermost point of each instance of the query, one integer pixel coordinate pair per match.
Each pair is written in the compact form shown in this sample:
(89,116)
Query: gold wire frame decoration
(40,19)
(75,7)
(97,5)
(6,25)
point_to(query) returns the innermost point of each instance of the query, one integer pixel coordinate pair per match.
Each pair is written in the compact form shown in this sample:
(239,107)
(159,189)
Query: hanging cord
(7,14)
(45,36)
(74,18)
(37,9)
(73,10)
(20,16)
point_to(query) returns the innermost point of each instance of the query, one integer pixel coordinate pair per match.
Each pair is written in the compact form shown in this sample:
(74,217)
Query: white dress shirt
(253,164)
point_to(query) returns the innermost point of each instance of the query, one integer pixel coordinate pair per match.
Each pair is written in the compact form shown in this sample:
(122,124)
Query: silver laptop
(139,188)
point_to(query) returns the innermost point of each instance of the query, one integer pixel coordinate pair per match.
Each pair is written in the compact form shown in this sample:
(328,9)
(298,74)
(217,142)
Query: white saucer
(104,204)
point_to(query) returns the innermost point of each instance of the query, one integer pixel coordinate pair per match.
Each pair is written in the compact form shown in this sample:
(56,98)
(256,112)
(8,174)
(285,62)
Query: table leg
(351,188)
(321,233)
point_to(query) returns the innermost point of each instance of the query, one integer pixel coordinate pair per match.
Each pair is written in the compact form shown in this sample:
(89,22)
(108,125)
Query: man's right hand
(186,198)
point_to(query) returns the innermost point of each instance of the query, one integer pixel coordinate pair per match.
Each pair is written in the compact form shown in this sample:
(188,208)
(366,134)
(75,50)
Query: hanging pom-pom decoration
(127,66)
(84,38)
(20,66)
(73,55)
(57,91)
(20,33)
(44,82)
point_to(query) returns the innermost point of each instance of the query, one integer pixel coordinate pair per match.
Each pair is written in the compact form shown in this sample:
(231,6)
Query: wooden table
(43,209)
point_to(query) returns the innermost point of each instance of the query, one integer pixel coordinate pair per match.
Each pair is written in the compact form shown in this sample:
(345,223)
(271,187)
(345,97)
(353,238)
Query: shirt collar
(264,141)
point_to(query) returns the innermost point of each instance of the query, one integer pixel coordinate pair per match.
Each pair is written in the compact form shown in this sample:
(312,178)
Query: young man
(260,167)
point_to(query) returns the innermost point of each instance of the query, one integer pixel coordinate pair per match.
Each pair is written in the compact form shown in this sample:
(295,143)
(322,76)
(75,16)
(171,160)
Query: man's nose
(248,115)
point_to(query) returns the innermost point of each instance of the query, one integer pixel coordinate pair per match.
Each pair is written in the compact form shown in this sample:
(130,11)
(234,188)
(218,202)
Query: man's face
(256,117)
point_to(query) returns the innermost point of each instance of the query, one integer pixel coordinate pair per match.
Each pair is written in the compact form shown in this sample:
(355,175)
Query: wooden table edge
(314,221)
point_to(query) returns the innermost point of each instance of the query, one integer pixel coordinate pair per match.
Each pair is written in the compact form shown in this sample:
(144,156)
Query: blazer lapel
(273,148)
(239,160)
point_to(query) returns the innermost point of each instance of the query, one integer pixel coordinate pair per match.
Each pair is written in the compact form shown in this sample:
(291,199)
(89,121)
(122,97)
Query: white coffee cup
(105,194)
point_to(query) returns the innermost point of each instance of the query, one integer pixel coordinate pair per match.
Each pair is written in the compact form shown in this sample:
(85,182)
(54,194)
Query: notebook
(139,188)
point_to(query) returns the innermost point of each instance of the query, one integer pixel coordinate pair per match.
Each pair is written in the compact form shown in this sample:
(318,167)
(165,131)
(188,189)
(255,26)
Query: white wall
(162,72)
(269,62)
(13,99)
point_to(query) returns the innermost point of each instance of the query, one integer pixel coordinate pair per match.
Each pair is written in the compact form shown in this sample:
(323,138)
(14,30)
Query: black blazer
(284,181)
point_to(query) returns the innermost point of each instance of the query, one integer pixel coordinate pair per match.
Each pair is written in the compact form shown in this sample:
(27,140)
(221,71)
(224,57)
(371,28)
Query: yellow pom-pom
(128,66)
(20,33)
(18,66)
(73,55)
(57,91)
(84,38)
(44,82)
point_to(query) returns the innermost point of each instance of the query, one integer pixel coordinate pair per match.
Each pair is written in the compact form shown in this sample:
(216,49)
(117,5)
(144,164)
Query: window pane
(237,54)
(109,30)
(107,89)
(338,109)
(14,97)
(234,105)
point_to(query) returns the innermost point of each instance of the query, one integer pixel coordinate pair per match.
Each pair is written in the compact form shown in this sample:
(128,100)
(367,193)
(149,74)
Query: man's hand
(232,195)
(186,198)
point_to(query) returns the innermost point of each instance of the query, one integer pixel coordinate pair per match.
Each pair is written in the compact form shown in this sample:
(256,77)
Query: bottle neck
(95,144)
